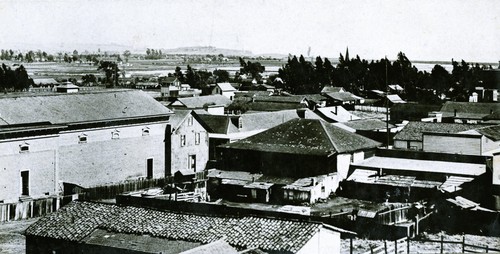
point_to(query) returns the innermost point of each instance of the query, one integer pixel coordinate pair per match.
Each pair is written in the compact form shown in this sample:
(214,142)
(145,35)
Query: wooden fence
(111,191)
(33,208)
(370,108)
(393,247)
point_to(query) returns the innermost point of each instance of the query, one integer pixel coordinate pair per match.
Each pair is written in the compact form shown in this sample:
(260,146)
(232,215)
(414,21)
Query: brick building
(87,139)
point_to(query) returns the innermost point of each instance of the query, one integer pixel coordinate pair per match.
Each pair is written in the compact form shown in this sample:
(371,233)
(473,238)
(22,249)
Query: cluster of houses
(284,150)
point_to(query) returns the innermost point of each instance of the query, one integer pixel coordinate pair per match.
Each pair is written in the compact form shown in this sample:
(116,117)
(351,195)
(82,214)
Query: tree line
(16,80)
(359,75)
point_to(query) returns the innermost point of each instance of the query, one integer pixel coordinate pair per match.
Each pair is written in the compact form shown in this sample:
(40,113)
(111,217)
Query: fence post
(463,243)
(442,243)
(385,246)
(350,250)
(487,247)
(408,245)
(396,246)
(371,249)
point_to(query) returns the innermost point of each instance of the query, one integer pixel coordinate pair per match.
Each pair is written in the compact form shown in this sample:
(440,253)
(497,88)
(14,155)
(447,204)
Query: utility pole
(387,104)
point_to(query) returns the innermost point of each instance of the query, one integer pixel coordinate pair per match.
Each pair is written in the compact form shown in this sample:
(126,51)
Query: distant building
(411,112)
(332,89)
(225,89)
(84,227)
(467,112)
(214,104)
(344,98)
(86,139)
(335,114)
(67,87)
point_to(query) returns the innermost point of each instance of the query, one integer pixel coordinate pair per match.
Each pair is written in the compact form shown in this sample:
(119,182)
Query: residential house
(449,138)
(225,89)
(172,88)
(187,142)
(298,148)
(88,139)
(316,101)
(44,82)
(227,129)
(332,89)
(372,128)
(344,99)
(67,87)
(397,89)
(467,112)
(213,104)
(96,227)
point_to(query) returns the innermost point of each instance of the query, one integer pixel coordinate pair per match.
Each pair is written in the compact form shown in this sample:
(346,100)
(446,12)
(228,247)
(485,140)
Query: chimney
(455,114)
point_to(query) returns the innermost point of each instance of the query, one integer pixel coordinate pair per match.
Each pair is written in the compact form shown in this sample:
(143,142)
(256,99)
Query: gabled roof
(44,81)
(332,89)
(305,136)
(395,87)
(226,87)
(315,97)
(492,132)
(469,109)
(336,114)
(79,107)
(178,117)
(78,219)
(219,246)
(217,124)
(200,101)
(343,96)
(414,130)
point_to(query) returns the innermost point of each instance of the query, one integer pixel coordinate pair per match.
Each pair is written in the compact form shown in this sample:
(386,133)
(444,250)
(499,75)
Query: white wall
(343,163)
(324,241)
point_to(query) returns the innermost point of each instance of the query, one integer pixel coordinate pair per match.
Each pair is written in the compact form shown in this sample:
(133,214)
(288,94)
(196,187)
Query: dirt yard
(11,235)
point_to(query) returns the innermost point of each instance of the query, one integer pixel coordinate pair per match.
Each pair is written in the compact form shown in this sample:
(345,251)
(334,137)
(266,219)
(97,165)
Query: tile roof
(219,246)
(367,124)
(305,136)
(414,130)
(200,101)
(79,107)
(78,219)
(469,109)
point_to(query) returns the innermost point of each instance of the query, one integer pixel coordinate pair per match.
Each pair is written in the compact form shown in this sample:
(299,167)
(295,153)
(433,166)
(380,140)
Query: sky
(373,29)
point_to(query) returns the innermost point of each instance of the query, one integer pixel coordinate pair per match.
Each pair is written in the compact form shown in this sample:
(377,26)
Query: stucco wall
(452,144)
(180,154)
(325,241)
(343,163)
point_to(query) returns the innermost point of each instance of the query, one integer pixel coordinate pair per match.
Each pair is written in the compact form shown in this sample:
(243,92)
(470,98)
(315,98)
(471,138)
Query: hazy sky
(423,30)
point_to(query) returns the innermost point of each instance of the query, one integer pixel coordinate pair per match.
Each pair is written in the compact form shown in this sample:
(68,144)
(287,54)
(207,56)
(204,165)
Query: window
(82,138)
(115,134)
(190,121)
(25,183)
(192,162)
(149,168)
(145,131)
(240,123)
(24,147)
(183,140)
(197,138)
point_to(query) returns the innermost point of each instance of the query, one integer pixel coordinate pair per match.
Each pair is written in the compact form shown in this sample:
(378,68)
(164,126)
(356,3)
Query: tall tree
(111,71)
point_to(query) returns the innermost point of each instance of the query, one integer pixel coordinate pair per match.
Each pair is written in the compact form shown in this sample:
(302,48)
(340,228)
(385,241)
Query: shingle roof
(470,109)
(305,136)
(332,89)
(79,107)
(200,101)
(414,130)
(273,106)
(280,99)
(492,132)
(226,87)
(343,96)
(78,219)
(217,124)
(367,124)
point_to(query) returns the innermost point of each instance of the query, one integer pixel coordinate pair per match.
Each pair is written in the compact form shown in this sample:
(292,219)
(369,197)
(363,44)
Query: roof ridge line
(328,135)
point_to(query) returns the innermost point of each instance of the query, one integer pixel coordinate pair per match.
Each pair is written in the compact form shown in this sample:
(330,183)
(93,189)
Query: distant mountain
(206,50)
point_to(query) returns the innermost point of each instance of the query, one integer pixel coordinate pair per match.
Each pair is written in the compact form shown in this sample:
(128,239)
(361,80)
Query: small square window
(82,139)
(183,140)
(23,148)
(190,120)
